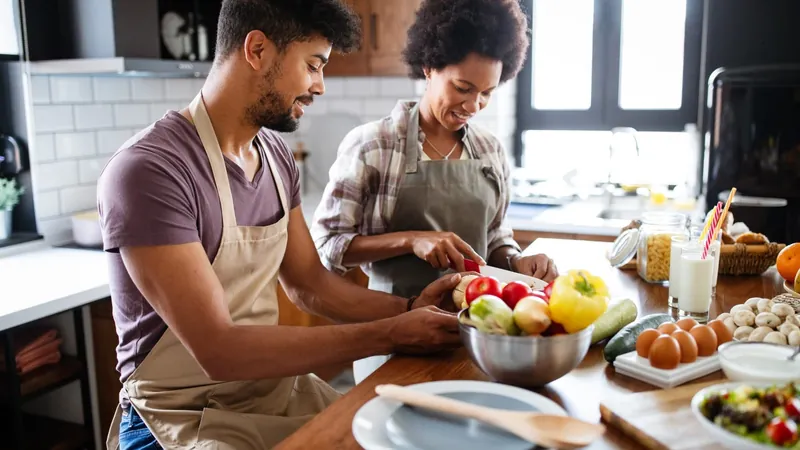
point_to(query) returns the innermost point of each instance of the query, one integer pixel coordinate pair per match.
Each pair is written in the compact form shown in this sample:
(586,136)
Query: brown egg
(687,344)
(686,324)
(723,333)
(645,340)
(667,327)
(706,340)
(665,353)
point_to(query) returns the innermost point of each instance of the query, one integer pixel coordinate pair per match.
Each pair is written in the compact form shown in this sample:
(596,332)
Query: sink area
(620,214)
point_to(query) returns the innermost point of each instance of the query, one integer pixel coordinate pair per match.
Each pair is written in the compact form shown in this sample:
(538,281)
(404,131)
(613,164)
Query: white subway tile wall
(79,122)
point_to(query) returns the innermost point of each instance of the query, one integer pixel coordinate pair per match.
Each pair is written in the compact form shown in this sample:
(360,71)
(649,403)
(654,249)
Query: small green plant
(9,194)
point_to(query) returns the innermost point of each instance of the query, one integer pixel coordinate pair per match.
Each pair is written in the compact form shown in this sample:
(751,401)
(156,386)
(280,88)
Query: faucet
(609,187)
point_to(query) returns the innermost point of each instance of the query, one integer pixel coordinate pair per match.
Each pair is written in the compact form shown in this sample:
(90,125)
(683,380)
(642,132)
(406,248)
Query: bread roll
(751,238)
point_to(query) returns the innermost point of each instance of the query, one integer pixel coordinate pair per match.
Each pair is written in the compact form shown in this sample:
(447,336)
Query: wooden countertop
(579,392)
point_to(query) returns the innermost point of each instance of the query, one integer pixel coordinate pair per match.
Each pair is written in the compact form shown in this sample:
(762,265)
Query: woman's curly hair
(446,31)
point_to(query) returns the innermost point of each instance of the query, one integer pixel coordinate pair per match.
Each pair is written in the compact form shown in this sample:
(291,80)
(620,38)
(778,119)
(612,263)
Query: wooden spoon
(543,429)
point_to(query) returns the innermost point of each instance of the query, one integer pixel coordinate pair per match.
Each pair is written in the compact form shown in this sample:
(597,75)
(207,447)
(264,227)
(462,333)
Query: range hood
(121,66)
(121,37)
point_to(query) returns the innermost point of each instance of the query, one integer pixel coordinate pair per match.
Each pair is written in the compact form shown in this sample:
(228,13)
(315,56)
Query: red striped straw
(710,236)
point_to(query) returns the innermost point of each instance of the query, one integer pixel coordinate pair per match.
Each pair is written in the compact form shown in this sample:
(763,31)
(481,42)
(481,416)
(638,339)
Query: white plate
(728,439)
(369,423)
(634,366)
(506,276)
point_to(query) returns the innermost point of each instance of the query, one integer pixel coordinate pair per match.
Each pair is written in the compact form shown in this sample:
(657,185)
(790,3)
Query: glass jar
(655,241)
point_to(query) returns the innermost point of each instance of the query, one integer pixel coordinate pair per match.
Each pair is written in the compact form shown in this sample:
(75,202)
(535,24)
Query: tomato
(514,292)
(792,407)
(549,289)
(782,431)
(483,286)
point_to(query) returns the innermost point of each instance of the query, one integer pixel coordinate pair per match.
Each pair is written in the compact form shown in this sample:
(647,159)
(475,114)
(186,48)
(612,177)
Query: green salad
(765,415)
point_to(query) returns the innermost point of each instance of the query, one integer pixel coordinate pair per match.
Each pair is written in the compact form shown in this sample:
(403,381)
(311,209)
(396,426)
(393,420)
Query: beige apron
(181,406)
(461,196)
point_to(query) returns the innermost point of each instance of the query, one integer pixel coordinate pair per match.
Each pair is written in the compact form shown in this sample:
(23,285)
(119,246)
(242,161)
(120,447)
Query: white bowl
(721,435)
(758,362)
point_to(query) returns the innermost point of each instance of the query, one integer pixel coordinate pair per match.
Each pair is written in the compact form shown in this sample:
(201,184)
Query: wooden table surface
(579,392)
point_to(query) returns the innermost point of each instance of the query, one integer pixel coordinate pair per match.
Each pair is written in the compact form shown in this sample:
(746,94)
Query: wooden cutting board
(660,419)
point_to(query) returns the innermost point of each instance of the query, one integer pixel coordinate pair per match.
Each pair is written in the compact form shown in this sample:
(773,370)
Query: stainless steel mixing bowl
(525,361)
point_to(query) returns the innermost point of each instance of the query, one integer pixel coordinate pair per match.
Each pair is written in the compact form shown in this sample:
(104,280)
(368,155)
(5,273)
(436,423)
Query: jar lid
(624,248)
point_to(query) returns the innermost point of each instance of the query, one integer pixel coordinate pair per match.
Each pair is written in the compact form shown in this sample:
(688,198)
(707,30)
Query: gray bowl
(525,361)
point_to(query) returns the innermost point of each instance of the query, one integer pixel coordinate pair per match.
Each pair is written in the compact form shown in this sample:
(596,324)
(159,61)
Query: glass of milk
(716,245)
(696,283)
(677,243)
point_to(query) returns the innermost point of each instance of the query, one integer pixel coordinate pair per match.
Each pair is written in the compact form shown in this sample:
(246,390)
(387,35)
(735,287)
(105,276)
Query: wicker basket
(741,259)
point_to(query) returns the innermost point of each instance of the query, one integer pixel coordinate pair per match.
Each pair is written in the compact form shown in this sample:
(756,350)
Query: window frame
(605,112)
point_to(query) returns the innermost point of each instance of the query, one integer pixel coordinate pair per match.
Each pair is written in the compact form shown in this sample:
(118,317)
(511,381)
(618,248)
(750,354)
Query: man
(201,216)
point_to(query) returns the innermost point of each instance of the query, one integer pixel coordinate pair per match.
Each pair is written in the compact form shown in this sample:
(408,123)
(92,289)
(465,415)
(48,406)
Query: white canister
(86,229)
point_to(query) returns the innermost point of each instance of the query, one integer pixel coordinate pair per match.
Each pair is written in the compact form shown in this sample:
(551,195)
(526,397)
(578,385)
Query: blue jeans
(134,434)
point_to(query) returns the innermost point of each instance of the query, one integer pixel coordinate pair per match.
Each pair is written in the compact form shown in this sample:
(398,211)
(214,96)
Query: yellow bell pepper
(578,299)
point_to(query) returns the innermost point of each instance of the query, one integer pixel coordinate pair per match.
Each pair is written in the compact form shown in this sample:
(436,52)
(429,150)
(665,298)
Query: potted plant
(9,197)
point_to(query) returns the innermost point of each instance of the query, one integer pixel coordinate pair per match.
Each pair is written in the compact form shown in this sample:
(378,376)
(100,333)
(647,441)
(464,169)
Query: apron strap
(276,175)
(412,140)
(211,146)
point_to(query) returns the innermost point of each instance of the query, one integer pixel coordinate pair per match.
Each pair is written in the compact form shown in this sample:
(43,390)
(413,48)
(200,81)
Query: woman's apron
(461,196)
(181,406)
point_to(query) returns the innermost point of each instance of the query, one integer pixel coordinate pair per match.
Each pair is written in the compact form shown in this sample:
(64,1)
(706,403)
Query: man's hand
(538,266)
(425,330)
(439,249)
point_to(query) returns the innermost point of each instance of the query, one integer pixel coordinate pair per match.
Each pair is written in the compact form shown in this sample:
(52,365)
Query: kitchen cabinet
(104,339)
(384,25)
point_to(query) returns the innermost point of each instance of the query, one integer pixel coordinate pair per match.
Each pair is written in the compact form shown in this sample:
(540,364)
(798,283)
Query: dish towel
(35,346)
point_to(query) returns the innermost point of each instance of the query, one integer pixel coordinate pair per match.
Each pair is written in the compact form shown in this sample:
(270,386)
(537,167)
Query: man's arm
(179,283)
(316,290)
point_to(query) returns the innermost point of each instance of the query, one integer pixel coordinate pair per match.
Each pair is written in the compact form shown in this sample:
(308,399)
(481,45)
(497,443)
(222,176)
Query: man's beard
(268,112)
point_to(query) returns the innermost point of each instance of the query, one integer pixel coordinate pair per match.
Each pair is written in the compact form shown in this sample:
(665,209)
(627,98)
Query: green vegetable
(619,314)
(625,341)
(489,314)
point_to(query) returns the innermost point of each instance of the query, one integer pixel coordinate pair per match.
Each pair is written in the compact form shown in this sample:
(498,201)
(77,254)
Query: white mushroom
(766,319)
(782,310)
(723,316)
(753,303)
(775,338)
(794,338)
(765,305)
(793,319)
(787,328)
(738,308)
(743,318)
(742,333)
(759,334)
(730,324)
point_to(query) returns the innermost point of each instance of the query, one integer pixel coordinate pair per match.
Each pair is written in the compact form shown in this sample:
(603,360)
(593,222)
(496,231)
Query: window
(9,39)
(600,64)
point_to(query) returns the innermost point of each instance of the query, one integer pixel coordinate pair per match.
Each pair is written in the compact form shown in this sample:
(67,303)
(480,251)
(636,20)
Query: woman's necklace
(447,156)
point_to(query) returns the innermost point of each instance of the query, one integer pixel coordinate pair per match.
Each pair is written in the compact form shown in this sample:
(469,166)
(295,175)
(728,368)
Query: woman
(415,193)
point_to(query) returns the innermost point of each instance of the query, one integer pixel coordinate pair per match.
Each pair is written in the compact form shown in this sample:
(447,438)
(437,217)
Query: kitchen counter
(580,217)
(42,280)
(579,392)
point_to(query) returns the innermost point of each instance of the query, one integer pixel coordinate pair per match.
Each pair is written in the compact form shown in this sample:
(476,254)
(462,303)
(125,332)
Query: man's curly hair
(446,31)
(287,21)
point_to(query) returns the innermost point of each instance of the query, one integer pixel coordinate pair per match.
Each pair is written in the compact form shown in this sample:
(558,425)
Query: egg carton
(634,366)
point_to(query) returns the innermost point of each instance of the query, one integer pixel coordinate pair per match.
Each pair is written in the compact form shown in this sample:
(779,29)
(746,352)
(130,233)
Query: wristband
(411,302)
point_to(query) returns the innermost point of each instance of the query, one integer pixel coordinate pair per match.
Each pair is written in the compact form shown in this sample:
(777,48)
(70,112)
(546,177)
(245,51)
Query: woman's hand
(440,248)
(538,266)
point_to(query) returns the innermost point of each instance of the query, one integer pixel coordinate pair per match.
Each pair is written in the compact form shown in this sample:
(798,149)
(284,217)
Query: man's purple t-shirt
(158,189)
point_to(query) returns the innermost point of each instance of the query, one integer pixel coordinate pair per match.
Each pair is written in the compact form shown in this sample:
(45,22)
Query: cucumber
(625,341)
(619,314)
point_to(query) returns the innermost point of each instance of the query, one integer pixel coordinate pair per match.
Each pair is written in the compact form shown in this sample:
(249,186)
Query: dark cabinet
(183,30)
